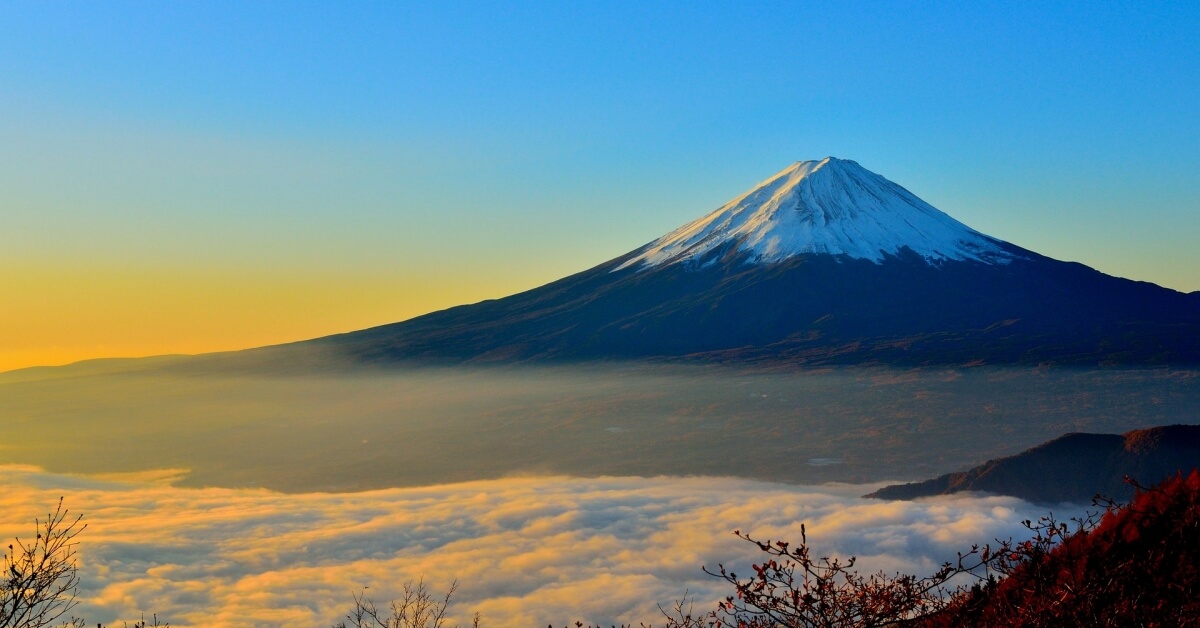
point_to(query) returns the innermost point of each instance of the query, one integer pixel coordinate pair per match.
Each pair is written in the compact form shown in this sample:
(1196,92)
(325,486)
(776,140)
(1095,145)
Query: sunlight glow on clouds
(526,551)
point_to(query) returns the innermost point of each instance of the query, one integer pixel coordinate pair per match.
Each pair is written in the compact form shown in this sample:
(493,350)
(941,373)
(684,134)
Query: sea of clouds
(527,551)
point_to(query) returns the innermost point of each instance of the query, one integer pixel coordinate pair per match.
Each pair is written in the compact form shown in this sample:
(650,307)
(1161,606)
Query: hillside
(1072,468)
(1139,567)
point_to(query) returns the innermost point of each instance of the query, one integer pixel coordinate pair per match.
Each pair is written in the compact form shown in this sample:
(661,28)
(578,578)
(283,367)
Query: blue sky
(401,157)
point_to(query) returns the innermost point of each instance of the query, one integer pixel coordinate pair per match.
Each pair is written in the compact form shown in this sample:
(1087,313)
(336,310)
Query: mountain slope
(823,263)
(1074,467)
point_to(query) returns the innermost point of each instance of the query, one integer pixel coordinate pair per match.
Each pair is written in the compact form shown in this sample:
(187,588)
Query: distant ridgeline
(1072,468)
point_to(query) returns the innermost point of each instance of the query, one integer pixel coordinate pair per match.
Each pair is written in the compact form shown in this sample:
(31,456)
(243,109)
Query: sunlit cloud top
(526,552)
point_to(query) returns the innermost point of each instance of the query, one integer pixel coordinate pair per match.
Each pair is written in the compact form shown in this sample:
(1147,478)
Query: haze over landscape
(549,300)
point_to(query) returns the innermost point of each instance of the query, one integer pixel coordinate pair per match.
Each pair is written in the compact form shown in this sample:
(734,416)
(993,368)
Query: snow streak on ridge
(832,206)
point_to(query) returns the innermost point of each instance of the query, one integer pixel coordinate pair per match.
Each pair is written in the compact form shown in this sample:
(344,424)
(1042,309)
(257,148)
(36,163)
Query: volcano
(823,263)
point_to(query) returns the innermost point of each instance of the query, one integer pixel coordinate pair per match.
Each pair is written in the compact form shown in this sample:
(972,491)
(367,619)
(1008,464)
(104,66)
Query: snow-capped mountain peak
(832,206)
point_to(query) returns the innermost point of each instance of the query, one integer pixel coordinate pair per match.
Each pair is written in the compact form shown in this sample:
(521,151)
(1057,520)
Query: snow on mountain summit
(832,206)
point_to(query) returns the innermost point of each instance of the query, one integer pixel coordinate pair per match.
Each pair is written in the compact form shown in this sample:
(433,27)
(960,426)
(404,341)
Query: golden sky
(58,316)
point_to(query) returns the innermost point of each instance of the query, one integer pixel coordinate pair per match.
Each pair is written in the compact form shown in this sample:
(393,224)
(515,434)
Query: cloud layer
(526,551)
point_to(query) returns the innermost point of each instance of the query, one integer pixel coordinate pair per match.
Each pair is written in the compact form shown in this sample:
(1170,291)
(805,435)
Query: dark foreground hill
(1139,567)
(1073,468)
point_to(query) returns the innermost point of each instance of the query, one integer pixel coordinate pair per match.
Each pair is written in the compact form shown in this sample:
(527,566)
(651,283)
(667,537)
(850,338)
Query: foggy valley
(377,428)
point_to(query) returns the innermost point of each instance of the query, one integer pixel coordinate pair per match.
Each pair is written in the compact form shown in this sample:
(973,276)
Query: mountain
(829,207)
(823,263)
(1072,468)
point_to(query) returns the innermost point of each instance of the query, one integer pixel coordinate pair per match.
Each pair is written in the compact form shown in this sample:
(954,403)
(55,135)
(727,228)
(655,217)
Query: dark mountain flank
(823,263)
(811,309)
(1073,468)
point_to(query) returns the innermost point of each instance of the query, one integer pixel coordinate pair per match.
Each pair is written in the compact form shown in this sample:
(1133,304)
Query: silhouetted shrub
(793,588)
(41,577)
(417,608)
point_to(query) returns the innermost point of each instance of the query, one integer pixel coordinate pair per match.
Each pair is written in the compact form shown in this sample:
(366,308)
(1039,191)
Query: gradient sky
(187,177)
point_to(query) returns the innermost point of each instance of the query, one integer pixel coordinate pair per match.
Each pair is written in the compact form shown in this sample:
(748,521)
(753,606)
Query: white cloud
(526,551)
